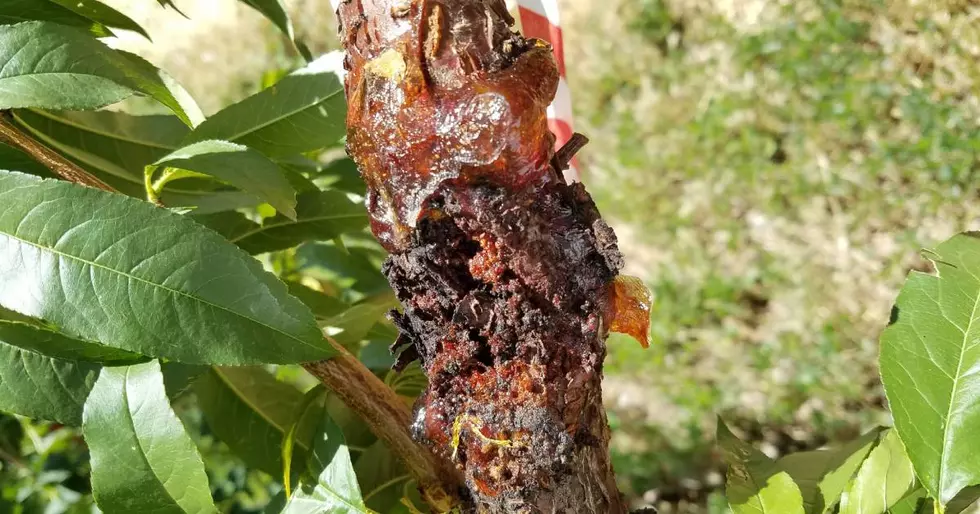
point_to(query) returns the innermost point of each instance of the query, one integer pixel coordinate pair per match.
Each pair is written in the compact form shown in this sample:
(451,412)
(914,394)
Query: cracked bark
(507,276)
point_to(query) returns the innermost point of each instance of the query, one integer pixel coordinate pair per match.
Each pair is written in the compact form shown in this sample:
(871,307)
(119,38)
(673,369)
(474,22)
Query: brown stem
(389,418)
(365,394)
(59,165)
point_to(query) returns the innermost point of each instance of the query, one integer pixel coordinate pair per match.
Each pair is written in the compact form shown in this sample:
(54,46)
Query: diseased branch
(365,394)
(507,275)
(55,162)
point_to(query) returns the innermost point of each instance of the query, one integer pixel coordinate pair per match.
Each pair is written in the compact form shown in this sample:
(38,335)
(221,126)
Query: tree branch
(389,418)
(507,275)
(62,167)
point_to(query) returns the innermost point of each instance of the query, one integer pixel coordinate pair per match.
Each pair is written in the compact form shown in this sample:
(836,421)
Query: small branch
(564,154)
(62,167)
(389,418)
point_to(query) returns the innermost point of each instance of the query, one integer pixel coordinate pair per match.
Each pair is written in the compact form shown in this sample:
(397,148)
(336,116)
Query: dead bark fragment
(506,274)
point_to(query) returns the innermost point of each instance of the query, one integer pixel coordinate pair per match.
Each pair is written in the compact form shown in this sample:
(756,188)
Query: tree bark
(507,276)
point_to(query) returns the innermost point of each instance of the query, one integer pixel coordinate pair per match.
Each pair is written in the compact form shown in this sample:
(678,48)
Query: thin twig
(62,167)
(564,154)
(389,418)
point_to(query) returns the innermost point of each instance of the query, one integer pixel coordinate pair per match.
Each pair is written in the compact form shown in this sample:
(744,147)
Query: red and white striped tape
(540,19)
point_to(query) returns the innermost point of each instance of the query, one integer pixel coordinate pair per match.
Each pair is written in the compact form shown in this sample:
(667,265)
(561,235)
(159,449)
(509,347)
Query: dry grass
(775,168)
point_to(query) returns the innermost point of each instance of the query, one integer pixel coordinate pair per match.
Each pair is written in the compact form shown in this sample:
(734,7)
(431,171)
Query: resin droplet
(629,308)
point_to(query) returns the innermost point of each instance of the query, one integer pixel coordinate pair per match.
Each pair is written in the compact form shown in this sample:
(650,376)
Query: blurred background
(772,168)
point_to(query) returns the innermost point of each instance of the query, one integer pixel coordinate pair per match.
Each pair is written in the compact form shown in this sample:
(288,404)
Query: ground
(773,170)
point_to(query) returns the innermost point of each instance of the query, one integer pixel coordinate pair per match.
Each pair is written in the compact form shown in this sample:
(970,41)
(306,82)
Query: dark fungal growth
(508,276)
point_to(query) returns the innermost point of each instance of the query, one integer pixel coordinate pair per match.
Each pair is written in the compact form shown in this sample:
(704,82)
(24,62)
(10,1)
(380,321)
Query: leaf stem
(10,134)
(389,418)
(151,188)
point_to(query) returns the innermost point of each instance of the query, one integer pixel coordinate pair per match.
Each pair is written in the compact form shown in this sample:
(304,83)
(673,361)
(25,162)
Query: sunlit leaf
(275,11)
(119,271)
(51,66)
(885,478)
(16,11)
(163,88)
(320,216)
(240,166)
(43,64)
(101,13)
(930,355)
(756,484)
(822,475)
(304,111)
(142,460)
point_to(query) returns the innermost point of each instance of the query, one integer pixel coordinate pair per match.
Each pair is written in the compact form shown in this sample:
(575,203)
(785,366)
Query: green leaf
(101,13)
(382,478)
(16,11)
(966,499)
(163,88)
(250,411)
(915,503)
(320,215)
(51,66)
(142,460)
(239,166)
(885,478)
(50,343)
(323,305)
(822,475)
(756,484)
(39,386)
(304,111)
(179,378)
(116,147)
(275,11)
(336,489)
(113,269)
(341,174)
(354,269)
(354,324)
(47,65)
(312,400)
(115,143)
(170,4)
(929,357)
